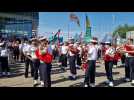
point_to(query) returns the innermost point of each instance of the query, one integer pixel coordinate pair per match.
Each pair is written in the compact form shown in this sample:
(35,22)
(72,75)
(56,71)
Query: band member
(64,52)
(22,57)
(28,62)
(35,60)
(109,58)
(84,57)
(129,64)
(4,60)
(45,58)
(54,50)
(16,51)
(91,68)
(78,56)
(72,58)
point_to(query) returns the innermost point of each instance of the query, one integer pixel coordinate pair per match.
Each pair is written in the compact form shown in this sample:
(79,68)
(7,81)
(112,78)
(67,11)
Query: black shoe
(127,80)
(35,85)
(63,69)
(26,76)
(71,78)
(132,84)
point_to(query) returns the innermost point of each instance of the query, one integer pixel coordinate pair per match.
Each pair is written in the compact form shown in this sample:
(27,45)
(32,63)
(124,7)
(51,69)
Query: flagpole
(68,29)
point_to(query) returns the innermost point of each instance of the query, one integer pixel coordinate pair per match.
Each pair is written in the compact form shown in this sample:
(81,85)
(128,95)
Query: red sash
(107,57)
(129,48)
(47,57)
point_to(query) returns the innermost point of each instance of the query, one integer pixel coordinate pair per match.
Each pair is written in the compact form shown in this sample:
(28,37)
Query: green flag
(87,35)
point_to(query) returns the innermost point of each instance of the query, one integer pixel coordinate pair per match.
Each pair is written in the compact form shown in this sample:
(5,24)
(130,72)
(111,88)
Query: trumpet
(120,49)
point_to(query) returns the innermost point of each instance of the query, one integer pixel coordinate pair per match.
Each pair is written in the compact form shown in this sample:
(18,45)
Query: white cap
(94,41)
(1,44)
(71,44)
(43,38)
(107,42)
(33,39)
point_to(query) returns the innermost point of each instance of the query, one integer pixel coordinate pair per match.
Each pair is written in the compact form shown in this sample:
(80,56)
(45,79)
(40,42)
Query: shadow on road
(80,84)
(100,74)
(16,70)
(66,79)
(116,83)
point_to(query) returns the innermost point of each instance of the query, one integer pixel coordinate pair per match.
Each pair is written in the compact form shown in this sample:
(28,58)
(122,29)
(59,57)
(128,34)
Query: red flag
(73,17)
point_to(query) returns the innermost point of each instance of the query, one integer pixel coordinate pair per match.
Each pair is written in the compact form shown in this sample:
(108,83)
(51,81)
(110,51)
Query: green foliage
(121,30)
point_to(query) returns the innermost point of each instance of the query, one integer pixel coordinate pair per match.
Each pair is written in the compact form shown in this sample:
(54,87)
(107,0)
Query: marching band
(39,54)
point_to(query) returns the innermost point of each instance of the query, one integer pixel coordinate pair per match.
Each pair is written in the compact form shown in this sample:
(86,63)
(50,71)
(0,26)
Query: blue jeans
(45,74)
(108,68)
(131,64)
(90,72)
(72,64)
(127,67)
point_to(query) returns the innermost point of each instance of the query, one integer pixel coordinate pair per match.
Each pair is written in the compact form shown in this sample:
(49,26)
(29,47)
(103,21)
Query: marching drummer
(109,59)
(91,68)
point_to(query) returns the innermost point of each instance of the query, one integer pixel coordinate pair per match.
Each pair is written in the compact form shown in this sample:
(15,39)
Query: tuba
(110,52)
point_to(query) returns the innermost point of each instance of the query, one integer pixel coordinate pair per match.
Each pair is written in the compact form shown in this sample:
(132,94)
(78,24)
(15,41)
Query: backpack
(47,57)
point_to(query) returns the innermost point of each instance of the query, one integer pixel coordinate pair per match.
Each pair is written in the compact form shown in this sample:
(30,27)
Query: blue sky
(101,22)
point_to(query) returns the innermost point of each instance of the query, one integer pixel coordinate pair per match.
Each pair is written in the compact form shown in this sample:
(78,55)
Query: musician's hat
(33,39)
(93,41)
(1,44)
(107,42)
(71,44)
(43,38)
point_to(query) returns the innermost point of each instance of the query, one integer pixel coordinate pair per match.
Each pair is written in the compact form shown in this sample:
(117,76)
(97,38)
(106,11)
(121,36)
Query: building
(130,34)
(19,24)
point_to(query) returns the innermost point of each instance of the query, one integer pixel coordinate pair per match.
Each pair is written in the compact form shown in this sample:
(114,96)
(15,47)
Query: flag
(73,17)
(87,35)
(87,22)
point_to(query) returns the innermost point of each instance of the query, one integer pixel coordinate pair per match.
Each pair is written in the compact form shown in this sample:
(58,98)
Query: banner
(87,35)
(73,17)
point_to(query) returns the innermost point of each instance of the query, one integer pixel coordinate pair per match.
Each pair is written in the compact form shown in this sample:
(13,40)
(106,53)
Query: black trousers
(28,63)
(64,60)
(123,59)
(72,64)
(45,74)
(90,72)
(55,53)
(22,57)
(78,59)
(129,68)
(108,68)
(36,64)
(16,54)
(4,64)
(115,62)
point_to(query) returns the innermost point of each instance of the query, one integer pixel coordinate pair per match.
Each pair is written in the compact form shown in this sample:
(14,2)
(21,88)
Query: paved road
(60,79)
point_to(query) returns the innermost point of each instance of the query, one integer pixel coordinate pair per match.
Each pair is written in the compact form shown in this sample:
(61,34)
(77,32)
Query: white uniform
(70,53)
(64,49)
(92,53)
(32,52)
(26,49)
(53,46)
(80,49)
(4,53)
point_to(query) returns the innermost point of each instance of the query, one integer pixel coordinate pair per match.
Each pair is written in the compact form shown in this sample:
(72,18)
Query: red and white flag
(73,17)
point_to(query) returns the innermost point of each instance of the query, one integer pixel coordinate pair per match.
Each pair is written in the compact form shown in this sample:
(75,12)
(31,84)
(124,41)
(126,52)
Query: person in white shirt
(54,50)
(35,60)
(64,51)
(4,60)
(72,58)
(78,56)
(21,46)
(91,69)
(26,51)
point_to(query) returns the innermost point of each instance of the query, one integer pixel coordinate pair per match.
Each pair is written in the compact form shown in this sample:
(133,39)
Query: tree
(121,30)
